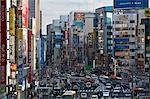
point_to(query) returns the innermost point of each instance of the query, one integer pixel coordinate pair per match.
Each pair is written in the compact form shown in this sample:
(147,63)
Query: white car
(88,84)
(108,85)
(83,95)
(94,97)
(106,93)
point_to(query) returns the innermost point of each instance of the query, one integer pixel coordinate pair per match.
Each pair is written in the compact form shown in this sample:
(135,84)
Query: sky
(52,9)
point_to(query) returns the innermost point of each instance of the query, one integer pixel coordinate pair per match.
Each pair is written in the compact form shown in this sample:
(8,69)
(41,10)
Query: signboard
(25,13)
(12,49)
(19,23)
(25,46)
(13,67)
(130,3)
(29,56)
(12,21)
(20,58)
(78,16)
(3,43)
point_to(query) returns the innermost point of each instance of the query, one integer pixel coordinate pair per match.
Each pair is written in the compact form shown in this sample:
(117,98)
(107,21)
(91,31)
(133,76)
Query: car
(88,84)
(94,97)
(83,95)
(108,85)
(106,93)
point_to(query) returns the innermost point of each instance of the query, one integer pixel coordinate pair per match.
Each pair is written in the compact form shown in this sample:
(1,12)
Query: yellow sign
(13,67)
(148,37)
(147,12)
(20,34)
(12,21)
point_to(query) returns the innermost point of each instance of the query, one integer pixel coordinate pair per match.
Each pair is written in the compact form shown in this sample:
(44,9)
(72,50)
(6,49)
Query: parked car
(83,95)
(94,97)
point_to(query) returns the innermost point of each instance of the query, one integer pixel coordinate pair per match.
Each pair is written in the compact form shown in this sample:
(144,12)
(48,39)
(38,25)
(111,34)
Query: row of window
(123,22)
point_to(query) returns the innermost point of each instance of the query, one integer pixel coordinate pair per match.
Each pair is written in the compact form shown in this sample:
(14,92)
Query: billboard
(29,56)
(78,16)
(12,49)
(130,3)
(25,13)
(20,59)
(12,21)
(3,43)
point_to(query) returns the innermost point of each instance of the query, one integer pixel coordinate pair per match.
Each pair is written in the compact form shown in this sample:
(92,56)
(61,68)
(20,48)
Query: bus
(69,95)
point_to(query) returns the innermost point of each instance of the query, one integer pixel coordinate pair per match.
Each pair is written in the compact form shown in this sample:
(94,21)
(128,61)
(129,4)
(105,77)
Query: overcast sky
(52,9)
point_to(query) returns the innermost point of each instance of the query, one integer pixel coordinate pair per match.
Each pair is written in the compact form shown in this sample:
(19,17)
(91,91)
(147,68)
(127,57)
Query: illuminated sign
(130,3)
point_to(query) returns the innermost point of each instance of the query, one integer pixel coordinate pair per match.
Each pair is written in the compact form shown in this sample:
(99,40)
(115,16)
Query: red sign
(78,16)
(25,13)
(3,43)
(29,55)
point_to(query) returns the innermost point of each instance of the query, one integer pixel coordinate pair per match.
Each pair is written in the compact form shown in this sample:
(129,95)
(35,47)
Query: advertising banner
(12,49)
(25,46)
(12,21)
(25,13)
(3,43)
(131,4)
(29,56)
(20,59)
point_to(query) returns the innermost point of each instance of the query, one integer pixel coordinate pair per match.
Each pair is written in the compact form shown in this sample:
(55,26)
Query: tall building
(104,35)
(129,35)
(124,33)
(143,34)
(89,38)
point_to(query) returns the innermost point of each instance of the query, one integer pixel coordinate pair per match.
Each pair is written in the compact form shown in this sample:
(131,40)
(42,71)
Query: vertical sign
(3,43)
(20,59)
(12,49)
(25,46)
(29,56)
(19,21)
(25,13)
(11,21)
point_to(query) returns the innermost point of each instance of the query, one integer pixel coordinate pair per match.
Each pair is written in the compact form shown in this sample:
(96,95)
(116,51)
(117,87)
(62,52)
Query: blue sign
(20,75)
(130,3)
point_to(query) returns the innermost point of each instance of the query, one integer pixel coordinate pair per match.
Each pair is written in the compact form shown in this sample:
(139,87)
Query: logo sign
(130,4)
(11,21)
(3,42)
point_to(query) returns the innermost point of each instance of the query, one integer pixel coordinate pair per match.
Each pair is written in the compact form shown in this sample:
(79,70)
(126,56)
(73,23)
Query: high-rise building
(104,35)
